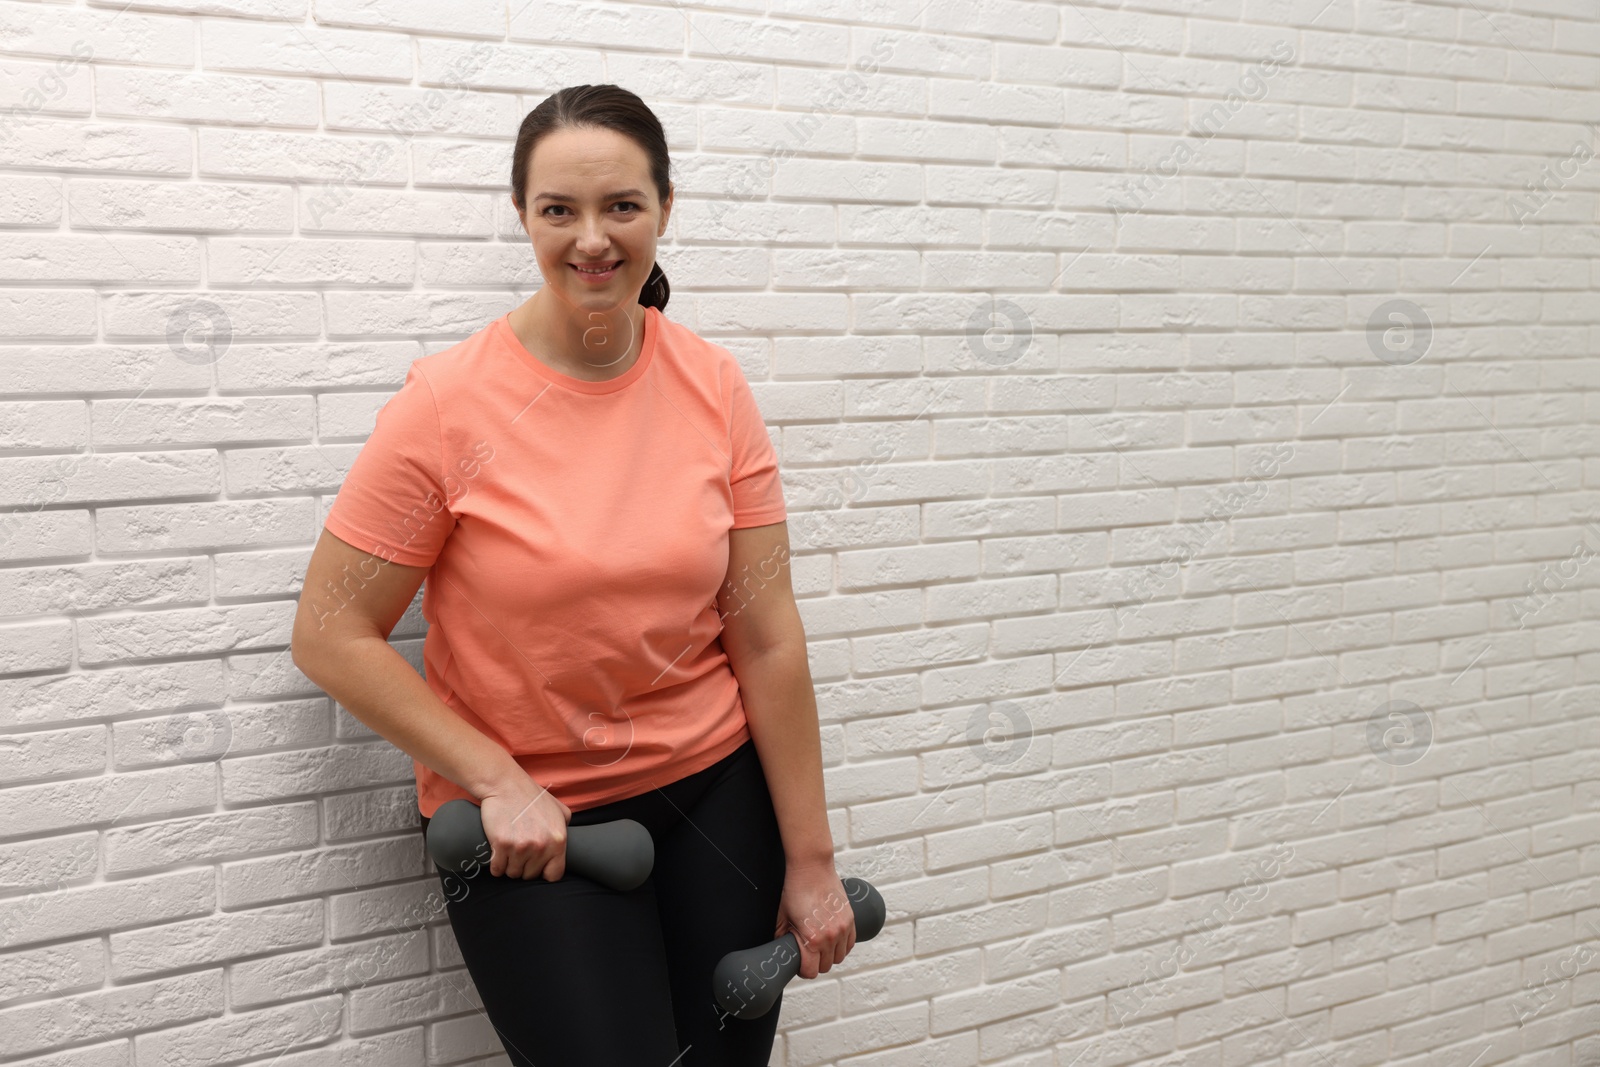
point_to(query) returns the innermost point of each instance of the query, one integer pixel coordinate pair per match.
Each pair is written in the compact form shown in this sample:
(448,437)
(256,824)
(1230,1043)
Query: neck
(600,341)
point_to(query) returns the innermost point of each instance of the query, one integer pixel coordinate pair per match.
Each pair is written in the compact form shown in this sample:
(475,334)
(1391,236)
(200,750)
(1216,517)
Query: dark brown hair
(598,106)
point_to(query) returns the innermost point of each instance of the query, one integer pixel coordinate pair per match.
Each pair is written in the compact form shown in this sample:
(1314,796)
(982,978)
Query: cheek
(550,255)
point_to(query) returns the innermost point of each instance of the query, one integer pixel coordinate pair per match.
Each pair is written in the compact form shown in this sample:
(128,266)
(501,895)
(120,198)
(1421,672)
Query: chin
(620,292)
(604,301)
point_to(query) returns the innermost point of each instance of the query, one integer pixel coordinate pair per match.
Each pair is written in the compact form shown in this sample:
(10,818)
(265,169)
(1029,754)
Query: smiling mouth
(597,270)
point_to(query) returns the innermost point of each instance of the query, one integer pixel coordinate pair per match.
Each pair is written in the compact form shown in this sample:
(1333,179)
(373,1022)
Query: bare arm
(341,642)
(766,647)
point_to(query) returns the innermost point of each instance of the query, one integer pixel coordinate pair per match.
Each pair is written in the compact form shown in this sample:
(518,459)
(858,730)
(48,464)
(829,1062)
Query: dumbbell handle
(747,982)
(617,854)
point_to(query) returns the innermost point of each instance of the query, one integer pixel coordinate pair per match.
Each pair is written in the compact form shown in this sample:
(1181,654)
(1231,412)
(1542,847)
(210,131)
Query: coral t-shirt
(577,536)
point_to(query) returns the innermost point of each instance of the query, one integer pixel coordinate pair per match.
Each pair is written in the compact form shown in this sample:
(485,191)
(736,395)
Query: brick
(110,1012)
(215,938)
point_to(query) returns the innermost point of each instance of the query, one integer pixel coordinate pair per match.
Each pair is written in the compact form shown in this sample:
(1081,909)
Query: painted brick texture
(1187,413)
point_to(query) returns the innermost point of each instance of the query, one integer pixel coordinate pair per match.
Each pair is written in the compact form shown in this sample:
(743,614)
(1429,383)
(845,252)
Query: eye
(629,204)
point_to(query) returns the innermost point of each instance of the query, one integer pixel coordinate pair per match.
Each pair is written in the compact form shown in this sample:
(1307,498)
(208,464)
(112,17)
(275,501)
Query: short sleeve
(757,489)
(392,502)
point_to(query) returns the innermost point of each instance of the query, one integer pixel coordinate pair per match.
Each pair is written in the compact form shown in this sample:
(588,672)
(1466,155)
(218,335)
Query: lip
(596,279)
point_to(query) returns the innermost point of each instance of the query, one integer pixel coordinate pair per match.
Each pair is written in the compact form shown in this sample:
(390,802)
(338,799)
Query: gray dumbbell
(747,983)
(617,854)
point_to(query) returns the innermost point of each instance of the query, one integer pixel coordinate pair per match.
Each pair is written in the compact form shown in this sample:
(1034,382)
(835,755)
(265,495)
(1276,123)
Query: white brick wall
(1292,632)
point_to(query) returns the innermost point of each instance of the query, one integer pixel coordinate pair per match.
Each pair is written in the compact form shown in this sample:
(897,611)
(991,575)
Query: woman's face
(590,202)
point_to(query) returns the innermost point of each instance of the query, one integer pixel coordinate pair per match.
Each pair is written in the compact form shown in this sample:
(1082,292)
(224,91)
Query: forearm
(381,689)
(781,708)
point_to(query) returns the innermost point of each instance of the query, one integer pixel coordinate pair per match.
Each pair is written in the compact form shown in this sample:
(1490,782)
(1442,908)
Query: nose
(592,240)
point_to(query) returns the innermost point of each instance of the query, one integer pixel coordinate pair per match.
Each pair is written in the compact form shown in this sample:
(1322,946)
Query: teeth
(601,270)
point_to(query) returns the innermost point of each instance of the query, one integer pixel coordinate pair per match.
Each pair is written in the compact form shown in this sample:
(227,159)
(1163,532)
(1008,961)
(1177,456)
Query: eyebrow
(572,199)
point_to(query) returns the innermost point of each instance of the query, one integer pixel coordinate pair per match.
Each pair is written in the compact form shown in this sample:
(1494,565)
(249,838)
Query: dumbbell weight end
(747,982)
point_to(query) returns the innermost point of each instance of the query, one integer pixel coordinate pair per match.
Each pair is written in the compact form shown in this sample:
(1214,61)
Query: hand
(815,907)
(527,830)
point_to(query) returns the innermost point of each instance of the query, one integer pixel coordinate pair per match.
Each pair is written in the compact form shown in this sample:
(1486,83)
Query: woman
(592,495)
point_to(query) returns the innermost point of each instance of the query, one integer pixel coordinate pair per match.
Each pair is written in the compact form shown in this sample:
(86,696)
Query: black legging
(573,974)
